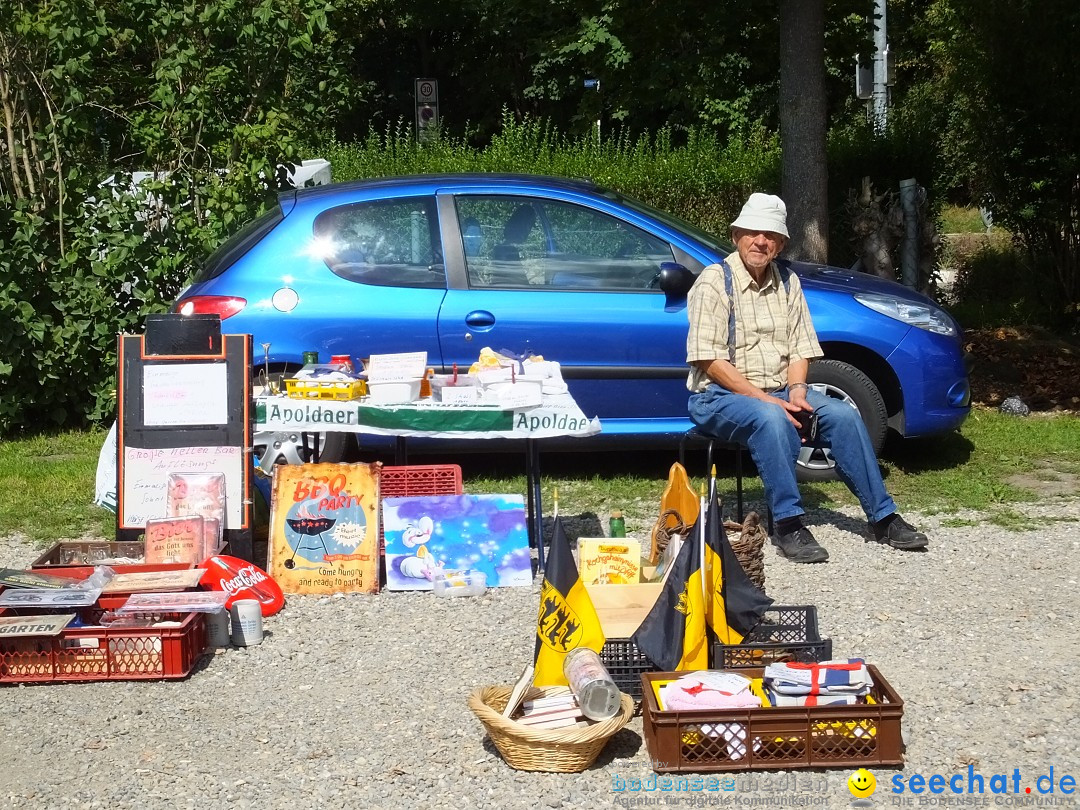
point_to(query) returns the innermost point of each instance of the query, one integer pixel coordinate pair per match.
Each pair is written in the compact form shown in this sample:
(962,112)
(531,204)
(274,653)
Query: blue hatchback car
(449,264)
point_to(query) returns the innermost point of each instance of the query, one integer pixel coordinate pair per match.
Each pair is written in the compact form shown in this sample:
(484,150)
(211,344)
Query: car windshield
(674,222)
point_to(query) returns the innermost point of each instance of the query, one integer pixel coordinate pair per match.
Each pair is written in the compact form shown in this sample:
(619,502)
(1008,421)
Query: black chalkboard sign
(184,394)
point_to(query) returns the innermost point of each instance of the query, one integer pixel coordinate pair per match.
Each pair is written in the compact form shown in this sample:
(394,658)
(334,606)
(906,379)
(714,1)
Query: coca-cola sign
(247,576)
(242,580)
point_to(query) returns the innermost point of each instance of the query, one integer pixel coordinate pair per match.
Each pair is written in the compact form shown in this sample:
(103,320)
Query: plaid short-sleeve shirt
(772,326)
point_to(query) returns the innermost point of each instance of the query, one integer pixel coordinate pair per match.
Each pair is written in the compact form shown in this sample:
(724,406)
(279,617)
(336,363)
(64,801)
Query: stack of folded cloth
(844,681)
(714,690)
(708,690)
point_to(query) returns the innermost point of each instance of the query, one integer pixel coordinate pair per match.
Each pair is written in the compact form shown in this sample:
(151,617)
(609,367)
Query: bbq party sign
(324,531)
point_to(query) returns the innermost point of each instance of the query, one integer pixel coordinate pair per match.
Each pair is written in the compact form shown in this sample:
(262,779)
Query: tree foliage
(209,98)
(996,81)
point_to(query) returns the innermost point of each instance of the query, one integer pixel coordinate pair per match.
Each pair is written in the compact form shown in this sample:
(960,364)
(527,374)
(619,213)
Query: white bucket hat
(763,212)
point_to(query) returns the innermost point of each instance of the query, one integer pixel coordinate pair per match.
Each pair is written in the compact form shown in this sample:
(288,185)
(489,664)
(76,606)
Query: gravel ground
(355,701)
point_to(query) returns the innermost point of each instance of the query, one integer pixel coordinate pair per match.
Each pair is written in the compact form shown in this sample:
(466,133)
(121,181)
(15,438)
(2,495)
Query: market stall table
(558,415)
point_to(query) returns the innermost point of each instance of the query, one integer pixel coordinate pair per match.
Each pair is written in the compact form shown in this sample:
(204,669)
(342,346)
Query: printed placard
(185,394)
(396,367)
(146,472)
(138,581)
(323,528)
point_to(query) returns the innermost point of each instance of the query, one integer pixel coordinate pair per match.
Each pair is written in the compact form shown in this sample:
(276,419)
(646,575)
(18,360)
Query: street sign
(427,91)
(427,109)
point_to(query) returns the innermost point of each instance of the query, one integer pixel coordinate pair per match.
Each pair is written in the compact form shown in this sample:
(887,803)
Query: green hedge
(701,179)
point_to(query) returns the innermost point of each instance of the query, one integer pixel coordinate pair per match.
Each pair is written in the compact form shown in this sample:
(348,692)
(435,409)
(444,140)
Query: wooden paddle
(680,497)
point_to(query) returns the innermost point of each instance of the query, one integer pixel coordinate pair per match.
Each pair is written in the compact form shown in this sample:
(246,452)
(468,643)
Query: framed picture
(455,533)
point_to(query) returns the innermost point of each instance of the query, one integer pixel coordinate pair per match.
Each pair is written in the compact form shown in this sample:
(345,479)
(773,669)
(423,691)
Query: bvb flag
(672,636)
(735,604)
(566,619)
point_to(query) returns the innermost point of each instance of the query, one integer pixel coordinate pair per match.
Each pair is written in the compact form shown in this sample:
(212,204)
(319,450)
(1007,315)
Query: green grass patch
(48,486)
(961,219)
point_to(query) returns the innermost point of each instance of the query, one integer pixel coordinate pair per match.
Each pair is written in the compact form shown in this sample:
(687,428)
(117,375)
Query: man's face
(757,248)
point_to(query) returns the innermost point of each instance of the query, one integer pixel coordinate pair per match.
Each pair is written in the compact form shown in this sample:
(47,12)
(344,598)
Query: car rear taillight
(223,305)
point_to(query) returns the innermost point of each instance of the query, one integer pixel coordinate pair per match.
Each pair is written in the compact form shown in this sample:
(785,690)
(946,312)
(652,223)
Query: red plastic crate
(417,479)
(96,653)
(420,479)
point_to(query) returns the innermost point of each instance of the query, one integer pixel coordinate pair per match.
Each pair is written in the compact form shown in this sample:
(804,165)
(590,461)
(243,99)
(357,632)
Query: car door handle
(480,319)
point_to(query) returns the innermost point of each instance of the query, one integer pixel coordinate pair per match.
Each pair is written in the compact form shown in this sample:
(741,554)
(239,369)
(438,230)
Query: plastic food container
(460,583)
(464,392)
(398,392)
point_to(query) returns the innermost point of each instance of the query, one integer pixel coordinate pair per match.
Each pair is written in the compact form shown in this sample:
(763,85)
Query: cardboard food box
(609,560)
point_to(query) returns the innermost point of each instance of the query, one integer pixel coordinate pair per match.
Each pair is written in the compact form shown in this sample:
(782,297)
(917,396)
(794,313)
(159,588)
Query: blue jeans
(774,445)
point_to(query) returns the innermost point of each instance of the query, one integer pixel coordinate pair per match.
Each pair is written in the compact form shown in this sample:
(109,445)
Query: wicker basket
(560,750)
(749,546)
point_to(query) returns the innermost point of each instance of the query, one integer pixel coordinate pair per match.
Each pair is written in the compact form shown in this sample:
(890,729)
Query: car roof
(463,179)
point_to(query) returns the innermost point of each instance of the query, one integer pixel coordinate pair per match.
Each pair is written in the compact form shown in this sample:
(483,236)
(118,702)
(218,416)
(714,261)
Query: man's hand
(797,403)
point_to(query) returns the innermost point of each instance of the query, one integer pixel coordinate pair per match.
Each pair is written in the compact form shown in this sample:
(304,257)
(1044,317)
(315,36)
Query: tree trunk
(804,172)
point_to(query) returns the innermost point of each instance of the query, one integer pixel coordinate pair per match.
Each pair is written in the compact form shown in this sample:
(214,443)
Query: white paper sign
(396,367)
(185,394)
(145,472)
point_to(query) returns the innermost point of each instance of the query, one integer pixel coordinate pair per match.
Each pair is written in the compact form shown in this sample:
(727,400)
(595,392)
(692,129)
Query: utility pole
(882,64)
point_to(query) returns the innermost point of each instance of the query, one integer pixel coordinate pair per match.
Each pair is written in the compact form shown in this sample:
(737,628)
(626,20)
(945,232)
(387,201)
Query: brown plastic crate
(774,738)
(95,653)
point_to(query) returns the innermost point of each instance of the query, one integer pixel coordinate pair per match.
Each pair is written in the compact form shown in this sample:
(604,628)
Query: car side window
(392,243)
(529,242)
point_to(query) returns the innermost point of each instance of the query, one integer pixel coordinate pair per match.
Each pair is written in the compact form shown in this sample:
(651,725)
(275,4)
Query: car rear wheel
(844,382)
(294,447)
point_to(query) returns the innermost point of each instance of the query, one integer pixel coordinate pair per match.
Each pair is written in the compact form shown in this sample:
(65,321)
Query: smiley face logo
(862,783)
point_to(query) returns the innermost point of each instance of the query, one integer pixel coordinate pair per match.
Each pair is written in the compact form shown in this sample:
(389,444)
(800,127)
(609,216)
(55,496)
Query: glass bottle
(617,524)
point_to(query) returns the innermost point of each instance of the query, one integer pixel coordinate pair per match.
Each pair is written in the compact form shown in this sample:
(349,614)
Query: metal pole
(881,50)
(909,247)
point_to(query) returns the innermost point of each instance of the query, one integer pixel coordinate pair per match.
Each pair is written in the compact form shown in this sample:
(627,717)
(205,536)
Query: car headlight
(924,316)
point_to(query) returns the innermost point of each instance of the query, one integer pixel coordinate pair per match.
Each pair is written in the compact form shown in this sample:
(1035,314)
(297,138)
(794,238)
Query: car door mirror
(675,281)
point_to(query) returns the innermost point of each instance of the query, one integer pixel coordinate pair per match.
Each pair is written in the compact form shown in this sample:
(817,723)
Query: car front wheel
(842,381)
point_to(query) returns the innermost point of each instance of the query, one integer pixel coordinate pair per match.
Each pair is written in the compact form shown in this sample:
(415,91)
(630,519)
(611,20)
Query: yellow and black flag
(566,619)
(672,636)
(735,605)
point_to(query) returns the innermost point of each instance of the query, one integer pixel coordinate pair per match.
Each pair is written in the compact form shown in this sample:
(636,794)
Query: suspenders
(729,288)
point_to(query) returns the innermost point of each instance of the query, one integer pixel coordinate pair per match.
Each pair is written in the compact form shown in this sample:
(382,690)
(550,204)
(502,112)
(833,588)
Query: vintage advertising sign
(324,531)
(240,579)
(34,625)
(154,581)
(174,540)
